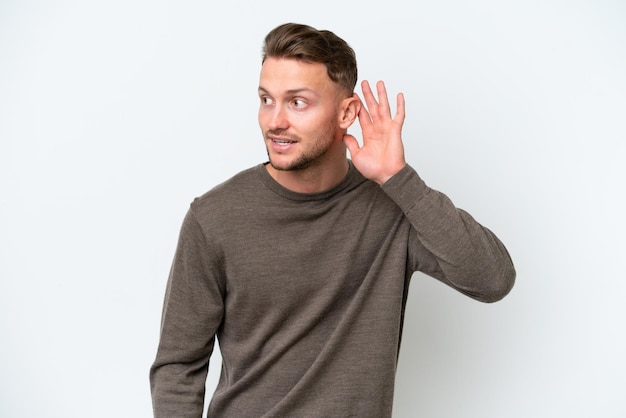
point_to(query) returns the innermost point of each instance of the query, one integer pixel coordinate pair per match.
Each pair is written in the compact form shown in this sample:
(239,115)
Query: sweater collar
(352,179)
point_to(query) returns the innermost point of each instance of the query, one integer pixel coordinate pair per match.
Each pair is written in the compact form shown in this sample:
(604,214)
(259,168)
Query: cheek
(320,122)
(312,121)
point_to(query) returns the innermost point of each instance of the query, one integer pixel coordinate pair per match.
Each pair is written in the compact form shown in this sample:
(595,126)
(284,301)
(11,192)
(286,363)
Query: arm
(459,251)
(451,245)
(192,312)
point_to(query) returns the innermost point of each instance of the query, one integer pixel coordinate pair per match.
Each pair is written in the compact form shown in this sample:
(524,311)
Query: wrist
(390,173)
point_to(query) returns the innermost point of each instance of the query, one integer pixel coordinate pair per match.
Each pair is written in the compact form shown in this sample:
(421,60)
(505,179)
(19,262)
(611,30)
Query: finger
(400,109)
(364,117)
(351,143)
(383,101)
(368,95)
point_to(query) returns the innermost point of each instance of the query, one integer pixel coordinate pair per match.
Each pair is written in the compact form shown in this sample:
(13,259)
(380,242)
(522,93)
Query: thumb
(351,143)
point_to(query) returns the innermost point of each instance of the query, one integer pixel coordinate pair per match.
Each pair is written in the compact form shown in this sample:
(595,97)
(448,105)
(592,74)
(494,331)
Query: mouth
(281,141)
(280,144)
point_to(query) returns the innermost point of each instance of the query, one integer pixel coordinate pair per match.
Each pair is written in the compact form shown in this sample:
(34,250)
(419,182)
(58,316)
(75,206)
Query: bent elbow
(499,284)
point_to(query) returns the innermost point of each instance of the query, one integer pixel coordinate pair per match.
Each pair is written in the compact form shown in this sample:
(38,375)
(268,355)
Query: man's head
(307,101)
(304,43)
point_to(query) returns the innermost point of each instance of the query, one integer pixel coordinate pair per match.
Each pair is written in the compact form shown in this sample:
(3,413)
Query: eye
(265,100)
(298,103)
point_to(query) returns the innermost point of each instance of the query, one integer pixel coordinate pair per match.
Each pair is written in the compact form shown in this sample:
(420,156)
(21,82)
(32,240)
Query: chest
(294,252)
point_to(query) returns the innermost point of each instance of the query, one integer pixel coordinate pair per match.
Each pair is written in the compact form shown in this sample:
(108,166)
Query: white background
(115,114)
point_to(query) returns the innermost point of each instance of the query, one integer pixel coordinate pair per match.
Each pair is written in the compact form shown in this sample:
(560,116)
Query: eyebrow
(292,91)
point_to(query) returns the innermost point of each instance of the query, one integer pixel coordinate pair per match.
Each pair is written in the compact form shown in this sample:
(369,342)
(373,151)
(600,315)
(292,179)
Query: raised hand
(382,153)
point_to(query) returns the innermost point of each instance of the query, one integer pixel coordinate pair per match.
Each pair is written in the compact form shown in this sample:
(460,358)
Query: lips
(280,136)
(282,141)
(280,144)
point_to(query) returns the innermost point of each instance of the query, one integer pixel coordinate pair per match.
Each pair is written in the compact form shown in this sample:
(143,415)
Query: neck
(314,179)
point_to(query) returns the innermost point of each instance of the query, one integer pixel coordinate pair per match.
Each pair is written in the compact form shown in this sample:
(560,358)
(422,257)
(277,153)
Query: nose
(278,119)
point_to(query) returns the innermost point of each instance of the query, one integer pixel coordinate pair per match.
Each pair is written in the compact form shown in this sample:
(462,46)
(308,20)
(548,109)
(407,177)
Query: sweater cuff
(406,188)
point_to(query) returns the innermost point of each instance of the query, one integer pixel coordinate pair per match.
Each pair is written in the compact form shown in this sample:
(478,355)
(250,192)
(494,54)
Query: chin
(284,166)
(291,165)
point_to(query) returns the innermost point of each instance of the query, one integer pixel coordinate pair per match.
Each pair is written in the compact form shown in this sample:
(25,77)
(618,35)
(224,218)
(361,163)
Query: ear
(349,111)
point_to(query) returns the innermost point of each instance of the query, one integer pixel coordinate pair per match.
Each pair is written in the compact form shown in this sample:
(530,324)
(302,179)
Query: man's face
(298,113)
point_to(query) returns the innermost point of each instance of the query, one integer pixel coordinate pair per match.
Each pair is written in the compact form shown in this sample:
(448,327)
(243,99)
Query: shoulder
(222,197)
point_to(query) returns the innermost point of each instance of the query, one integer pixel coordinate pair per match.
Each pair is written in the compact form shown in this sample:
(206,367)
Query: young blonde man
(300,266)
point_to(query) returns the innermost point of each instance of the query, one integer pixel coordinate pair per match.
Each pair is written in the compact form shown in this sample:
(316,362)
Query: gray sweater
(306,293)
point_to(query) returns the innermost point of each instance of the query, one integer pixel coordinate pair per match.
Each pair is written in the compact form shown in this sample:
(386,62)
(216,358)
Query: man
(300,266)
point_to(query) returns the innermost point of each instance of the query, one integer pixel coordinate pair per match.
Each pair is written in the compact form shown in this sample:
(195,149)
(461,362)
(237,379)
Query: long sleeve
(192,312)
(459,251)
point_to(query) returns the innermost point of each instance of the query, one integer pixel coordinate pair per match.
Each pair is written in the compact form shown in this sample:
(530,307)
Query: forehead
(280,75)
